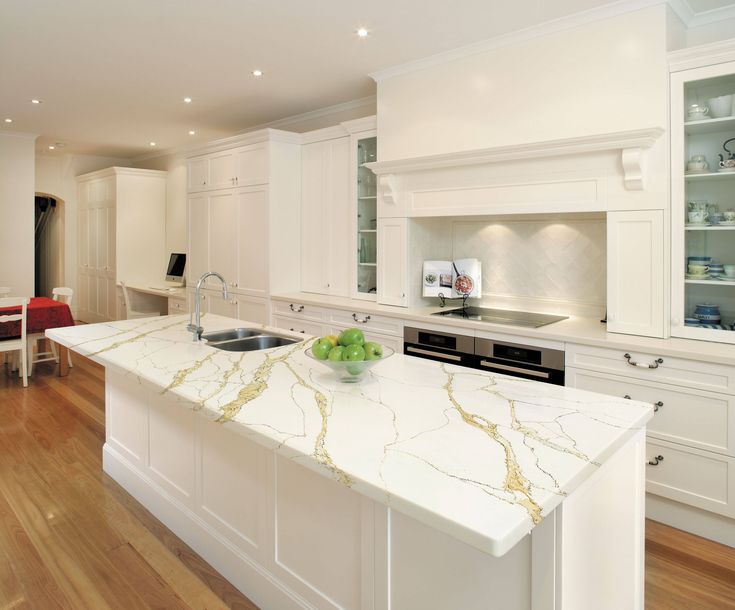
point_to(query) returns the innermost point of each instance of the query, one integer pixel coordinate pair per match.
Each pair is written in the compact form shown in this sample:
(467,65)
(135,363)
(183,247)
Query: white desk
(166,300)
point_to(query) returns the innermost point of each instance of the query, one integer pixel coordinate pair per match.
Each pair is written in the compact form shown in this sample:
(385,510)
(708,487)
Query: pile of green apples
(349,346)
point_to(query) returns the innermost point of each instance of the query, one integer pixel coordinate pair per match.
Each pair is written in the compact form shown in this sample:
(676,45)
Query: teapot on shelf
(729,162)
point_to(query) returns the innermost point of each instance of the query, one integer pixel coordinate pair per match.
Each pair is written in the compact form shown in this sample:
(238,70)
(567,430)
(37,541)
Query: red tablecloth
(42,313)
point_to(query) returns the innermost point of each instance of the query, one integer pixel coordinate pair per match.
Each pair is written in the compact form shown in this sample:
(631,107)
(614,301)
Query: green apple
(336,353)
(321,349)
(373,351)
(354,353)
(351,336)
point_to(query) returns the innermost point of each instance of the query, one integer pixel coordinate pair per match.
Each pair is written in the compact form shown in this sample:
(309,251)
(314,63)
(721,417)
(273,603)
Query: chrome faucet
(195,325)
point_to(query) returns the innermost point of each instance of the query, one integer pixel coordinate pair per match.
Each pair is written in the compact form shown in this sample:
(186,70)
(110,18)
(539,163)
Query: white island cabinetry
(427,486)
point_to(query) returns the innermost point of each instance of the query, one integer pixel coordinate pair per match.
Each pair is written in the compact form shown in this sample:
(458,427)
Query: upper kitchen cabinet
(239,166)
(703,200)
(245,223)
(326,236)
(122,224)
(365,211)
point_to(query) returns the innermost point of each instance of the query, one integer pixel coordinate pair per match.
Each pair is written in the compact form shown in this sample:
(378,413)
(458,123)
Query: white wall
(17,213)
(601,77)
(55,175)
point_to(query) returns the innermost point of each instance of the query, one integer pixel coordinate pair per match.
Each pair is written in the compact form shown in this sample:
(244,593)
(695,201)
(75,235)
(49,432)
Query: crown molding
(122,171)
(19,134)
(189,150)
(367,123)
(707,17)
(702,55)
(346,128)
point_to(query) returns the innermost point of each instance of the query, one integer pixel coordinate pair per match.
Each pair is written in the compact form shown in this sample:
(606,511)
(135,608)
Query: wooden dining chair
(65,295)
(16,344)
(131,313)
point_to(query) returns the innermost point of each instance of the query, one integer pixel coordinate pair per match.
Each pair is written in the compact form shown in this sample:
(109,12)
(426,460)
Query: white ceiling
(112,75)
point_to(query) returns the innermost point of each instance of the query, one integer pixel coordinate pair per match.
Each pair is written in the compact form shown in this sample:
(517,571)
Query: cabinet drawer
(298,310)
(177,306)
(366,321)
(693,417)
(299,326)
(694,477)
(675,371)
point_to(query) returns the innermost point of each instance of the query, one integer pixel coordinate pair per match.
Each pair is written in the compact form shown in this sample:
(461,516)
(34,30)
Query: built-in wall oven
(526,361)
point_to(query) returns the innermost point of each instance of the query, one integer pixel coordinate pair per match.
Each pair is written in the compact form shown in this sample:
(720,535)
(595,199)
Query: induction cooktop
(502,316)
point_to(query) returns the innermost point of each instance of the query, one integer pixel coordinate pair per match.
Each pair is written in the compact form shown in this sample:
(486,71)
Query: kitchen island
(427,486)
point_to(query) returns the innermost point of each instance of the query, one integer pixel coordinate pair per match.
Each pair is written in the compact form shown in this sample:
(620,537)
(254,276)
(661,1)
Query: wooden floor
(70,537)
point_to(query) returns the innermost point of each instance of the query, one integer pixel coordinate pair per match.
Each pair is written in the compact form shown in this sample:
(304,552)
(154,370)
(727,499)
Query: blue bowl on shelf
(691,321)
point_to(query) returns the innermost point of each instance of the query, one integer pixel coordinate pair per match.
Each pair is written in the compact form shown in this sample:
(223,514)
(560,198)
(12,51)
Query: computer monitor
(176,265)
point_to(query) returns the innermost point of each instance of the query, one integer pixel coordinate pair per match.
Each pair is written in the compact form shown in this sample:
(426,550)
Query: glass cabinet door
(367,218)
(703,203)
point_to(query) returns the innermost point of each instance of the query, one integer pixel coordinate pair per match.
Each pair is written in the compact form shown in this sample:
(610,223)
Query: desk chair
(130,313)
(57,294)
(17,344)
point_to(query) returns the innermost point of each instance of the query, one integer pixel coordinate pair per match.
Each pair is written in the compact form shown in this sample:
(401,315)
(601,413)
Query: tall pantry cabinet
(243,221)
(122,228)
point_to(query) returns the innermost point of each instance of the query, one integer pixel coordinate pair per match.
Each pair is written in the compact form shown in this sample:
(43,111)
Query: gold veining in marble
(133,339)
(515,480)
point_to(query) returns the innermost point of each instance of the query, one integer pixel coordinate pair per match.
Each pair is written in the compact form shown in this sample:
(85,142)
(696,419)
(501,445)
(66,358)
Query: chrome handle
(515,369)
(427,352)
(655,461)
(643,366)
(299,310)
(365,320)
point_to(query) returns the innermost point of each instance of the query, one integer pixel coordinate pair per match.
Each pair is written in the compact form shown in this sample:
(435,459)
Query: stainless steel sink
(229,335)
(251,344)
(246,340)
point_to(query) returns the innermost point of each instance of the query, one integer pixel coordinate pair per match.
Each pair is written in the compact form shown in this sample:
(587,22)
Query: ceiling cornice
(680,8)
(189,149)
(702,55)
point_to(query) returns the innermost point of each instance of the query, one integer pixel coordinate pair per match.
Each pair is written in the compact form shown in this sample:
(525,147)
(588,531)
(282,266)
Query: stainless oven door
(439,346)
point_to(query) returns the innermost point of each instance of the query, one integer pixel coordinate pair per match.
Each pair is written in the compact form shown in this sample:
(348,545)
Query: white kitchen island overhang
(416,489)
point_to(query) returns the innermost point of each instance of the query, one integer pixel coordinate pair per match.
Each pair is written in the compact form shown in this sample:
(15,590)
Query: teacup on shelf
(698,216)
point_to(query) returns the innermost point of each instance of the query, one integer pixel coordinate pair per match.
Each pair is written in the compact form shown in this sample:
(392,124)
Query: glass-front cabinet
(364,283)
(703,203)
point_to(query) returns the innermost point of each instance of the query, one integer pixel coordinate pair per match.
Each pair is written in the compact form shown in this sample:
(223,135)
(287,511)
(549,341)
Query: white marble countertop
(576,329)
(480,456)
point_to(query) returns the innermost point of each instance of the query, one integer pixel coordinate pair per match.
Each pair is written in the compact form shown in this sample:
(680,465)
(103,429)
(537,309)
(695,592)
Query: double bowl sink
(246,340)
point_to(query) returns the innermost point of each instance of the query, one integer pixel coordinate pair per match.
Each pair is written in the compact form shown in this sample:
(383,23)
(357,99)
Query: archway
(49,241)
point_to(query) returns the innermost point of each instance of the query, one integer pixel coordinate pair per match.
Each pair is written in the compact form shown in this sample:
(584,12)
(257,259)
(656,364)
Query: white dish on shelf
(727,223)
(705,276)
(726,170)
(698,224)
(694,172)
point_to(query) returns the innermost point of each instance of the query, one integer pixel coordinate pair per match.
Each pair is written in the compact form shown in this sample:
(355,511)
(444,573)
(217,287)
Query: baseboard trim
(693,520)
(246,574)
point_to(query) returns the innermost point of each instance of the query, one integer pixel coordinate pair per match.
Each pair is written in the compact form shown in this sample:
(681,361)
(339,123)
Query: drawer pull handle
(297,310)
(365,320)
(655,461)
(426,352)
(627,397)
(514,369)
(657,406)
(293,330)
(643,366)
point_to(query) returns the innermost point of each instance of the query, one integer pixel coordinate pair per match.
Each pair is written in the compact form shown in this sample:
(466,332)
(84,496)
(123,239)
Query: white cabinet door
(251,165)
(636,272)
(314,239)
(223,228)
(222,307)
(222,170)
(326,257)
(393,261)
(252,229)
(253,309)
(339,258)
(198,174)
(198,260)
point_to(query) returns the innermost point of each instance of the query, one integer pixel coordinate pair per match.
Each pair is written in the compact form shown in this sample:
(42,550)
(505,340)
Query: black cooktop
(502,316)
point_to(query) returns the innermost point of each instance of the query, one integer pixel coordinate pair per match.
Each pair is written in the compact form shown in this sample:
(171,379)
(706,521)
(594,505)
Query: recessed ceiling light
(257,72)
(191,132)
(51,147)
(362,32)
(8,120)
(187,100)
(35,101)
(152,143)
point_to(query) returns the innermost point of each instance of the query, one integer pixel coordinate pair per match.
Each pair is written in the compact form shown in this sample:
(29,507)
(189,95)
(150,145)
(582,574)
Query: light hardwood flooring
(70,537)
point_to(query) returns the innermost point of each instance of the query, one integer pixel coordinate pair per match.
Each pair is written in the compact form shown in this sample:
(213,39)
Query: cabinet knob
(627,397)
(655,461)
(657,406)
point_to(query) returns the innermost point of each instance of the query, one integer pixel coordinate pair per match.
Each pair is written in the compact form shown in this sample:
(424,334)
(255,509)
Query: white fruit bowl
(351,371)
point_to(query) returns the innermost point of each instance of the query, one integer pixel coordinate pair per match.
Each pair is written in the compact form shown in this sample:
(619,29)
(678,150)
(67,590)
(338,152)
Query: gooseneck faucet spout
(195,326)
